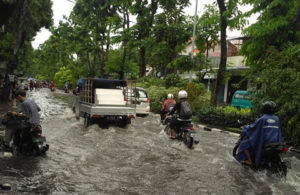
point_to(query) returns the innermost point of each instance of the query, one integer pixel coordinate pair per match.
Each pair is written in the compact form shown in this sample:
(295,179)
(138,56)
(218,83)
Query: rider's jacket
(178,107)
(31,109)
(166,103)
(264,130)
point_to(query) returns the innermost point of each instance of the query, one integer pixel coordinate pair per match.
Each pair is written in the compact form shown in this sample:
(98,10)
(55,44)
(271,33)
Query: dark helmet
(268,107)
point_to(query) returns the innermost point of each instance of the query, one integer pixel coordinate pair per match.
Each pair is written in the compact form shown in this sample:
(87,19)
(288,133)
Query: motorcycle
(67,89)
(52,88)
(270,157)
(184,130)
(26,140)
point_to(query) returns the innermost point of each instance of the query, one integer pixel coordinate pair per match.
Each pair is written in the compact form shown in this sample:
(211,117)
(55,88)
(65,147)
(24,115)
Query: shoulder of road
(213,129)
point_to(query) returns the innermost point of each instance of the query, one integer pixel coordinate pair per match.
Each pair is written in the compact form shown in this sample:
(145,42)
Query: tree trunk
(89,62)
(142,62)
(108,43)
(223,57)
(144,36)
(125,29)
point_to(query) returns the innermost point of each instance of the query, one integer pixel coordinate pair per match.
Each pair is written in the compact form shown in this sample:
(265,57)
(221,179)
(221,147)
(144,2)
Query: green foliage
(281,83)
(274,27)
(228,117)
(149,81)
(157,96)
(273,55)
(25,19)
(62,76)
(114,64)
(197,95)
(169,34)
(208,28)
(171,80)
(183,64)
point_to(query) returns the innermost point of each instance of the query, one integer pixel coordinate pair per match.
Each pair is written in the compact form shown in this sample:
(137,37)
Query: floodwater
(139,159)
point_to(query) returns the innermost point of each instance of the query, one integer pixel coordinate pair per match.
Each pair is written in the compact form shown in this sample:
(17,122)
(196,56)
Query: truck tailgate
(107,110)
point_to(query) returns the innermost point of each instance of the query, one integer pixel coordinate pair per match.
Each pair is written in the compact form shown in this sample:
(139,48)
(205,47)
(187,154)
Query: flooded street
(139,159)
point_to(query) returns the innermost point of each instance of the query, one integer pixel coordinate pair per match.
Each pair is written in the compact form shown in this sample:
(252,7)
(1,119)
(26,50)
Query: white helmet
(170,96)
(182,94)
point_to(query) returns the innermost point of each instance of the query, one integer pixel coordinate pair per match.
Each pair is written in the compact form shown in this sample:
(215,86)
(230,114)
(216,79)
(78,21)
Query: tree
(170,34)
(25,20)
(92,21)
(145,16)
(232,17)
(272,52)
(208,29)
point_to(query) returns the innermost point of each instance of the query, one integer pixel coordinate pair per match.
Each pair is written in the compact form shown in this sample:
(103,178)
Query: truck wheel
(125,121)
(87,121)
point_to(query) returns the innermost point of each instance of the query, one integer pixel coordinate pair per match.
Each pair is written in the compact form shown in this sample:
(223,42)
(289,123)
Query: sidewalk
(206,128)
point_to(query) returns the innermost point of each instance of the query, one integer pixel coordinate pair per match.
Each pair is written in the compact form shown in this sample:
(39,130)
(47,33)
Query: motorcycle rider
(67,86)
(52,84)
(29,109)
(167,106)
(31,85)
(183,109)
(264,130)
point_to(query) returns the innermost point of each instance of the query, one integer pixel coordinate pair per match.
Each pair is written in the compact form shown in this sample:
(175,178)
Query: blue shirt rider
(264,130)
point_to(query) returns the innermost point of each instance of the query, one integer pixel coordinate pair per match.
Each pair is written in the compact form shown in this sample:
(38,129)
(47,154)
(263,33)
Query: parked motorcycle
(26,140)
(184,131)
(270,157)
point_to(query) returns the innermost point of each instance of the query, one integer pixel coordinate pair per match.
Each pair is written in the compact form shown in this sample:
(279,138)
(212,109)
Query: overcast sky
(64,7)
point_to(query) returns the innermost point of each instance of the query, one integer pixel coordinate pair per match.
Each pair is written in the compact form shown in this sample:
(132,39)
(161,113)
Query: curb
(205,128)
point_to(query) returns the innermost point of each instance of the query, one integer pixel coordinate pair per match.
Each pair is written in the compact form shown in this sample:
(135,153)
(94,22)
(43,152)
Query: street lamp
(194,36)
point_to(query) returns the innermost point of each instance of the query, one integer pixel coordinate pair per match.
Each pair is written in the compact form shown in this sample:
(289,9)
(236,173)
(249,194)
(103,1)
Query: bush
(149,81)
(229,116)
(172,80)
(197,95)
(158,95)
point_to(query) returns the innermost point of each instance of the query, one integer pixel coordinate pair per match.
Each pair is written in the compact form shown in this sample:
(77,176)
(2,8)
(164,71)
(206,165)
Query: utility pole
(194,36)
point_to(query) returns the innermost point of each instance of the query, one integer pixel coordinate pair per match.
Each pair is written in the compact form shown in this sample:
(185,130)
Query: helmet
(170,96)
(268,107)
(182,94)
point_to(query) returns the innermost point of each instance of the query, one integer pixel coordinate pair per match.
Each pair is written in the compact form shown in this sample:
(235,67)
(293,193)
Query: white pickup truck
(102,100)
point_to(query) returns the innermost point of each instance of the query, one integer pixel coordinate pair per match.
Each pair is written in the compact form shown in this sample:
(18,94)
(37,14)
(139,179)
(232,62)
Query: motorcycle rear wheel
(189,140)
(168,130)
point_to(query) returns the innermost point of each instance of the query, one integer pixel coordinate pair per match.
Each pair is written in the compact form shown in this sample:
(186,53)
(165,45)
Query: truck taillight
(147,101)
(192,128)
(131,116)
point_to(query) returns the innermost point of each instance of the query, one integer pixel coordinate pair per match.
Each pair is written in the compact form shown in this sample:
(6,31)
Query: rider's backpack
(170,105)
(185,110)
